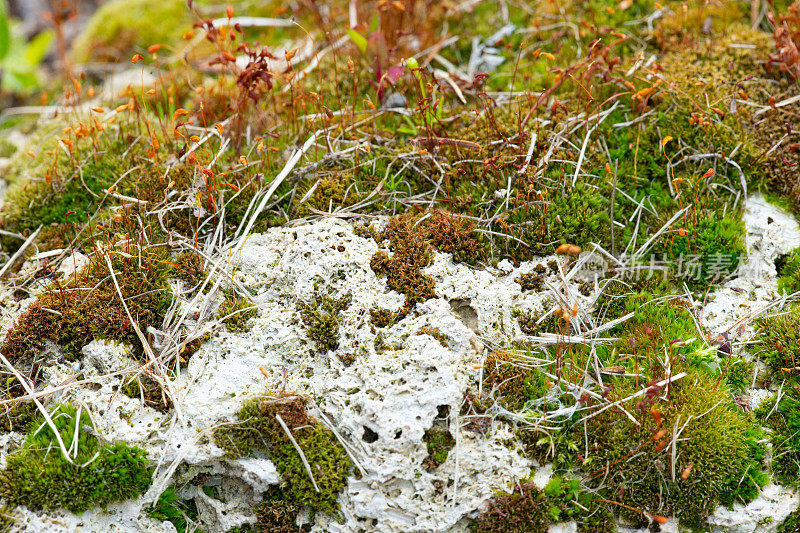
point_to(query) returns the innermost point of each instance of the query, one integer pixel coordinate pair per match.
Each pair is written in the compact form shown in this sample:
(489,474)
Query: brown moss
(411,253)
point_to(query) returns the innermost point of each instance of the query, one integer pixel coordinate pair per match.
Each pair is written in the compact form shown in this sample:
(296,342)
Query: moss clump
(258,431)
(170,507)
(784,421)
(529,508)
(39,477)
(17,416)
(235,312)
(789,271)
(403,270)
(454,235)
(122,27)
(738,373)
(87,306)
(779,343)
(321,317)
(439,442)
(329,194)
(435,333)
(791,524)
(534,280)
(717,459)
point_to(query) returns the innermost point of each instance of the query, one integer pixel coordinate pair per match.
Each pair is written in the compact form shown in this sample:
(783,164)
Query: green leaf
(38,47)
(359,40)
(374,23)
(5,35)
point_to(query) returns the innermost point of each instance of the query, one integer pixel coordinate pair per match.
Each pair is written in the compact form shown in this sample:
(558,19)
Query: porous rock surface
(391,396)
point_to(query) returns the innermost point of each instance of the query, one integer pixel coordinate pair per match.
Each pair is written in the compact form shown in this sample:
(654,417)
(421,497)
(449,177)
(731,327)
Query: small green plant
(789,271)
(779,343)
(439,441)
(40,477)
(530,508)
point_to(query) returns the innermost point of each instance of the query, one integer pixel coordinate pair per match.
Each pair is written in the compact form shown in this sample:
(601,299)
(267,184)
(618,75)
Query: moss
(258,431)
(784,421)
(526,509)
(88,306)
(121,28)
(435,333)
(791,523)
(321,317)
(719,454)
(439,442)
(454,235)
(38,476)
(738,373)
(143,386)
(278,513)
(534,280)
(170,507)
(17,416)
(235,312)
(7,520)
(779,343)
(516,387)
(529,508)
(411,253)
(330,193)
(788,268)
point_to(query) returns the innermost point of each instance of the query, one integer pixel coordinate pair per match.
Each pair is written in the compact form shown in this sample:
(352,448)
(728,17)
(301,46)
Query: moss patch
(235,312)
(38,476)
(321,317)
(258,431)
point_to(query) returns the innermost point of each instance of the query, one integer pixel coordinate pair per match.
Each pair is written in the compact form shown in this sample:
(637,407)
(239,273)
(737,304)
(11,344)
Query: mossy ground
(627,126)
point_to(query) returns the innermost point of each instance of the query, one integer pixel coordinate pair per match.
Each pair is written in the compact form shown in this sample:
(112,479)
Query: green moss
(789,271)
(439,441)
(720,451)
(779,343)
(120,28)
(791,524)
(330,193)
(738,373)
(235,312)
(258,431)
(784,421)
(172,508)
(516,387)
(17,416)
(321,317)
(38,476)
